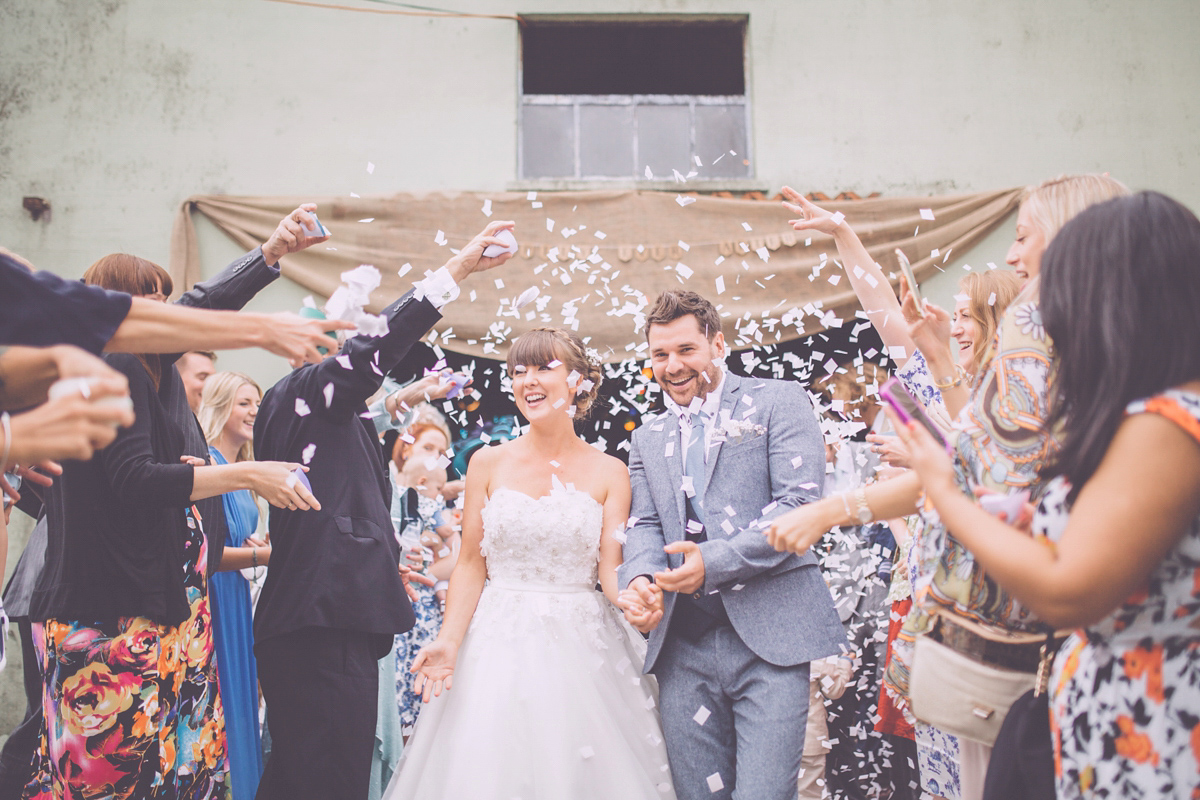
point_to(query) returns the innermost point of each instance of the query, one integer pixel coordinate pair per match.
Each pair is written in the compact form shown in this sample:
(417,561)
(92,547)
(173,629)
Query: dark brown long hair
(1119,298)
(121,272)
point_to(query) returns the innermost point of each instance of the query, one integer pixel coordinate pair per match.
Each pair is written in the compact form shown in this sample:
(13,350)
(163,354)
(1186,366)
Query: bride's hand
(434,666)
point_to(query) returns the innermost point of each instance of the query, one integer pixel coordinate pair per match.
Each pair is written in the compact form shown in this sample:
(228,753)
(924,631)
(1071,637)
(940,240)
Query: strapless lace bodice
(553,539)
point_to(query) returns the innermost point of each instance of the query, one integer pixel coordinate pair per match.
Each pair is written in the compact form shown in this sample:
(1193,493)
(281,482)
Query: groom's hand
(687,578)
(642,603)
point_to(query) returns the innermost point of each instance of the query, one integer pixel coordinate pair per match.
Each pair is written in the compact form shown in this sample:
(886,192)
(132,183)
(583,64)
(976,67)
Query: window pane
(606,141)
(547,141)
(720,129)
(664,140)
(656,55)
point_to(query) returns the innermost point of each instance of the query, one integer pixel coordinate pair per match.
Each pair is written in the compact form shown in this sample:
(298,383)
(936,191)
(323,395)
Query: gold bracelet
(960,374)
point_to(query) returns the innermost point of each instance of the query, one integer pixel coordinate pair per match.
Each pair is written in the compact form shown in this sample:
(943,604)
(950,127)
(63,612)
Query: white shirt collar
(710,405)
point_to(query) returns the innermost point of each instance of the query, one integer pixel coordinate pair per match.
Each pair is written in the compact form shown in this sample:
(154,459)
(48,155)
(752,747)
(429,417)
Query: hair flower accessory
(593,357)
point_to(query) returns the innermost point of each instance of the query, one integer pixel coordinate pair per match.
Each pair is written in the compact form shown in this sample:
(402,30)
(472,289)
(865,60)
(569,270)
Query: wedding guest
(1002,443)
(1115,551)
(334,598)
(227,412)
(194,368)
(126,572)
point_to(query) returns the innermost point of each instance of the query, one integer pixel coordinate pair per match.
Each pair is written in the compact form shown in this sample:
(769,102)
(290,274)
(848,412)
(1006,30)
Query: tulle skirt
(548,702)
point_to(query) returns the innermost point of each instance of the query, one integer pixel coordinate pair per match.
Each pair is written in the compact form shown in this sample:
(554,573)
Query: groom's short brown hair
(675,303)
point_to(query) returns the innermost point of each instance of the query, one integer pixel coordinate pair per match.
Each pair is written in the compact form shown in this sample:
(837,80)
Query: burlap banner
(599,258)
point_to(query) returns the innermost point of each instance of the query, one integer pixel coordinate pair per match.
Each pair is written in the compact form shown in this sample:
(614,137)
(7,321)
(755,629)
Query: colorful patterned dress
(132,708)
(1125,692)
(1001,445)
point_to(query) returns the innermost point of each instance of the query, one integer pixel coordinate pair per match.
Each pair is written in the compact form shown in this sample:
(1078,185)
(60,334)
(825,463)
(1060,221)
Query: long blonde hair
(1055,202)
(216,404)
(988,295)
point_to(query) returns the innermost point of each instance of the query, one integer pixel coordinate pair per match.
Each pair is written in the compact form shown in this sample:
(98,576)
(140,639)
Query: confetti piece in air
(404,270)
(715,784)
(440,239)
(302,409)
(328,392)
(746,225)
(487,207)
(697,160)
(797,461)
(536,204)
(549,224)
(684,246)
(343,361)
(307,454)
(370,168)
(934,253)
(499,283)
(684,201)
(600,234)
(649,174)
(720,284)
(992,299)
(702,715)
(684,270)
(368,219)
(531,196)
(838,218)
(291,481)
(527,297)
(927,213)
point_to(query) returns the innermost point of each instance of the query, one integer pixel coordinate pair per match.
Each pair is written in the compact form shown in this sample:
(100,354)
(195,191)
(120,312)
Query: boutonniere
(736,430)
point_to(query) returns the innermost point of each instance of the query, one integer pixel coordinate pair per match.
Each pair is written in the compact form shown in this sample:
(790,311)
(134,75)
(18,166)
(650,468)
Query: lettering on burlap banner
(599,258)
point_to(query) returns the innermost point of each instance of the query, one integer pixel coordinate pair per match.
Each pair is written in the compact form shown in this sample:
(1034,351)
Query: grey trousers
(751,741)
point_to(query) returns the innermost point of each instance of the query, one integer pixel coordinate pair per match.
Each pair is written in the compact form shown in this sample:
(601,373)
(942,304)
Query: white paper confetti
(702,715)
(307,454)
(927,213)
(715,784)
(302,409)
(328,392)
(684,201)
(370,168)
(487,207)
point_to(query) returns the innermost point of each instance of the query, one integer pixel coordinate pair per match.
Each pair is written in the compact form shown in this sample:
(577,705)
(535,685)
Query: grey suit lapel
(731,392)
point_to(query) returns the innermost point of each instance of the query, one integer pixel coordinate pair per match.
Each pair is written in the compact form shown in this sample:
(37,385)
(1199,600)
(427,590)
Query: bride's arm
(616,512)
(435,662)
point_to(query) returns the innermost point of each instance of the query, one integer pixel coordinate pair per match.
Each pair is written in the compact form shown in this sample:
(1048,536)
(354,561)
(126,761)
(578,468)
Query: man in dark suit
(334,598)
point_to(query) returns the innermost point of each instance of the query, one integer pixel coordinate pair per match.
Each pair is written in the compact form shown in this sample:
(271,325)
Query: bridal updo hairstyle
(540,346)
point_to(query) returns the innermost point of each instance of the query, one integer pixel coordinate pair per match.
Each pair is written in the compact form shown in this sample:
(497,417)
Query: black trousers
(321,686)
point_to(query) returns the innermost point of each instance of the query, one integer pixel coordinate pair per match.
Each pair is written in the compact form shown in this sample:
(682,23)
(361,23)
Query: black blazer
(337,567)
(117,523)
(229,290)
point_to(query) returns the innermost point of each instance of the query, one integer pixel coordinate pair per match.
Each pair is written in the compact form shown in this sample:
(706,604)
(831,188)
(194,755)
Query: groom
(732,623)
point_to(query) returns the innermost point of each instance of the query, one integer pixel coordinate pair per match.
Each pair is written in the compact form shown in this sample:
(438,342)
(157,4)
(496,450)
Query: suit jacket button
(697,595)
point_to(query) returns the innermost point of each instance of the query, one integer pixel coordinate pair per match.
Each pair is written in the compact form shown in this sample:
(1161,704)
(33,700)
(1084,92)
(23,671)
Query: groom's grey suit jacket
(772,460)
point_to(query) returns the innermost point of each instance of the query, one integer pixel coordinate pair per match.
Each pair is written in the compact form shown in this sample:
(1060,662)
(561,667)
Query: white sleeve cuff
(438,288)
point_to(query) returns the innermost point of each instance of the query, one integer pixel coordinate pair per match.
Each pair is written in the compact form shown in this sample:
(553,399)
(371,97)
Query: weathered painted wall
(116,110)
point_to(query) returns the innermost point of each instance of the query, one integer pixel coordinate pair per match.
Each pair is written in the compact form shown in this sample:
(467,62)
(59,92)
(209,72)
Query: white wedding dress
(548,700)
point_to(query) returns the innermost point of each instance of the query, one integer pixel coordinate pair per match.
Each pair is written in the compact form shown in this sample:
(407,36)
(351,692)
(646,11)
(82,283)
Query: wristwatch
(862,510)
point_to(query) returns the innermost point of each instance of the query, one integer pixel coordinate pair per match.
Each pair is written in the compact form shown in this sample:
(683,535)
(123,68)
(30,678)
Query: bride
(534,683)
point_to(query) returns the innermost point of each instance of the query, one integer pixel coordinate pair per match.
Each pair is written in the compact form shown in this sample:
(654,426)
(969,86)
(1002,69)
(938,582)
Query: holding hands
(642,603)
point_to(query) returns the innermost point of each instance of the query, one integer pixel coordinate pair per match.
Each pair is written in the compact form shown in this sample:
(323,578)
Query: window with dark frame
(625,98)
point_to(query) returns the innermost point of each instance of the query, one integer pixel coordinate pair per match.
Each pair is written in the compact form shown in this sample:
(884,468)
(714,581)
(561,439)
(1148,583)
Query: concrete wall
(116,110)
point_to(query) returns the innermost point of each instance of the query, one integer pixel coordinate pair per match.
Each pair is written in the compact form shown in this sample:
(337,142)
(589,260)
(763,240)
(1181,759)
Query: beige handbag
(961,690)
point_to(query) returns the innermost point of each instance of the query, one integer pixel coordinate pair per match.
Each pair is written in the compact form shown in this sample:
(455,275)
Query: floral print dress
(132,708)
(1125,693)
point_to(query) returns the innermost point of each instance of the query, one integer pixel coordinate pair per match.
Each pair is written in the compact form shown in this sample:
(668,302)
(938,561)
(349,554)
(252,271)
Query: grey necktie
(694,463)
